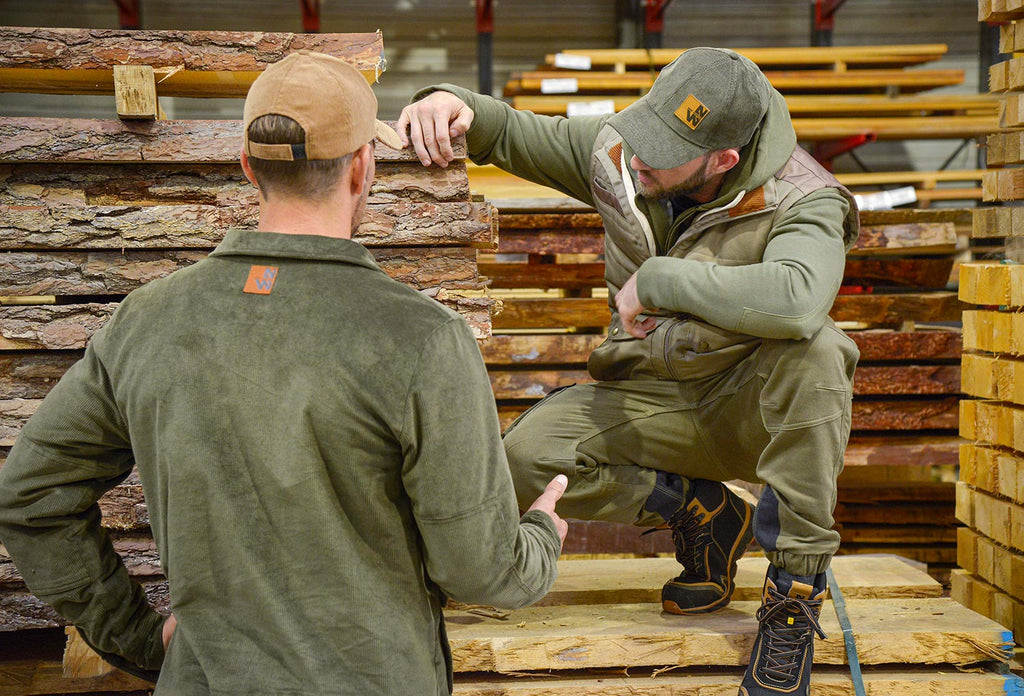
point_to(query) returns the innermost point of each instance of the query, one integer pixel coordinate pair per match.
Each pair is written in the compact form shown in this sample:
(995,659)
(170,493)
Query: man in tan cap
(724,250)
(317,482)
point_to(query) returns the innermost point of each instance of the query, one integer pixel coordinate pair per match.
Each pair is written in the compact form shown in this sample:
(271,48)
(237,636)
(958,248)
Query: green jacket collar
(294,246)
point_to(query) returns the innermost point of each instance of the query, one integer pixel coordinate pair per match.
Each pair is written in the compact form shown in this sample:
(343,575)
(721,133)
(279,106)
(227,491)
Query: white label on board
(884,200)
(590,108)
(570,61)
(561,85)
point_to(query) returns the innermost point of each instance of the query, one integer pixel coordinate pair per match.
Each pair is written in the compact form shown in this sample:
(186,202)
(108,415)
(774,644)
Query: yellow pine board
(824,682)
(1003,221)
(924,631)
(986,599)
(1000,520)
(997,471)
(989,377)
(992,283)
(638,580)
(992,422)
(993,331)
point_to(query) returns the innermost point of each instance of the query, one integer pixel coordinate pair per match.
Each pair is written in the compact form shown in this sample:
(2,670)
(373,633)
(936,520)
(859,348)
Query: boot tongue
(800,590)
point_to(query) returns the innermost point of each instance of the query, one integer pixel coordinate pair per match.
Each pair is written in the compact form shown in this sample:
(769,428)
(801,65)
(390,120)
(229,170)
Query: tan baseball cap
(706,99)
(329,98)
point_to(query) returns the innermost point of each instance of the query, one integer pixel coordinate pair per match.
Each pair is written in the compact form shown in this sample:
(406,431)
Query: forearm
(787,295)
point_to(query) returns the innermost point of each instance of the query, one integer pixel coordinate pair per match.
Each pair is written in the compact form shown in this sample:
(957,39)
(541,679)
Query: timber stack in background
(990,493)
(93,209)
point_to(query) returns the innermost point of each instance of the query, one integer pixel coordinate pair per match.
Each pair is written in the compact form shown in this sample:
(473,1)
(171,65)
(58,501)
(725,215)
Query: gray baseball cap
(706,99)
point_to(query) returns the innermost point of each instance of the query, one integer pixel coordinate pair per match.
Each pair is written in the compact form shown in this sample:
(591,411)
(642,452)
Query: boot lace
(691,535)
(786,624)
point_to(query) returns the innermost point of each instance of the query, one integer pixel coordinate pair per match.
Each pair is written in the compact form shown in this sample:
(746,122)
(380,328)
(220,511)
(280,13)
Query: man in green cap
(724,250)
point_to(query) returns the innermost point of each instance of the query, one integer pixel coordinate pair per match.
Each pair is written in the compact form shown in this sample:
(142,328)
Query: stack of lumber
(897,493)
(834,94)
(990,493)
(93,209)
(600,631)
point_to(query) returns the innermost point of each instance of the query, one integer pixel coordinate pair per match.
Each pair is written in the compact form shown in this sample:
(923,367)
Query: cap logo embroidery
(692,112)
(261,280)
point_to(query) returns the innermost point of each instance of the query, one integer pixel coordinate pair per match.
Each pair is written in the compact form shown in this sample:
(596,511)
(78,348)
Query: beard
(692,184)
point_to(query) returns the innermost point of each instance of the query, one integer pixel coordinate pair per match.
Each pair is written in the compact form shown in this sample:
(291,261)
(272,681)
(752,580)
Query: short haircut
(311,179)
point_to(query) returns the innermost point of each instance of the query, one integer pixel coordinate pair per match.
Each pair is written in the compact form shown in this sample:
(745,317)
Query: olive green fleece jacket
(785,295)
(322,464)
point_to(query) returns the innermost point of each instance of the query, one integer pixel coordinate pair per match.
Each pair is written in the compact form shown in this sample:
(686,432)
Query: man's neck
(287,216)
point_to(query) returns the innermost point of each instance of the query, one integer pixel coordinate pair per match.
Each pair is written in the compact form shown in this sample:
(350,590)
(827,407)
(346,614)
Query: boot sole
(742,541)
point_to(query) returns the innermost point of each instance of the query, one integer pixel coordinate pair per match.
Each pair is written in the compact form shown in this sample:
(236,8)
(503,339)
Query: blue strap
(844,623)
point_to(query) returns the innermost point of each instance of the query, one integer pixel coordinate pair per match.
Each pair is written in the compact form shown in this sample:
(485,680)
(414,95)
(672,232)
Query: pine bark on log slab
(556,222)
(51,327)
(205,184)
(190,63)
(66,140)
(402,223)
(33,375)
(69,327)
(113,273)
(824,682)
(960,217)
(925,274)
(137,550)
(21,610)
(586,637)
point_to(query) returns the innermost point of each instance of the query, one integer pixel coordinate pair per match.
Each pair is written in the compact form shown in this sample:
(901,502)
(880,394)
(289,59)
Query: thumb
(552,493)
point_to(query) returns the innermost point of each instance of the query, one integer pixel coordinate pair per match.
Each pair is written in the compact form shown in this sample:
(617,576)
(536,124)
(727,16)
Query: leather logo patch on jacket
(261,280)
(751,203)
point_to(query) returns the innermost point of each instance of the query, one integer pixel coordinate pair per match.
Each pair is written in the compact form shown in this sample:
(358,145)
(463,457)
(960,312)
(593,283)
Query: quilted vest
(682,347)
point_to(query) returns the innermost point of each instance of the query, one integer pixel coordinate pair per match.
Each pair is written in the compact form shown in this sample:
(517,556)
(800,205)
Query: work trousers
(781,417)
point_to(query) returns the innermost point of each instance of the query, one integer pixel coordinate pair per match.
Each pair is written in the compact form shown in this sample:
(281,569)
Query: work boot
(710,532)
(780,662)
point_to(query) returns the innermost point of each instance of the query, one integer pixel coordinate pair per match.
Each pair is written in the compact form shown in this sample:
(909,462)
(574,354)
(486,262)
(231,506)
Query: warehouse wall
(428,41)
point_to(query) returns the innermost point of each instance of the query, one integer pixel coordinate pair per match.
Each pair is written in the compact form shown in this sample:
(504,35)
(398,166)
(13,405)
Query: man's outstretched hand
(431,123)
(546,503)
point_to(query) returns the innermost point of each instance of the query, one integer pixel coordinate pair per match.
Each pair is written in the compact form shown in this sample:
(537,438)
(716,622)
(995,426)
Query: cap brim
(651,140)
(387,135)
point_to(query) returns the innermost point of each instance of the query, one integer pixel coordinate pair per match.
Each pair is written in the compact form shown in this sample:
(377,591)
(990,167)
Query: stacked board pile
(838,96)
(92,209)
(601,631)
(897,492)
(990,493)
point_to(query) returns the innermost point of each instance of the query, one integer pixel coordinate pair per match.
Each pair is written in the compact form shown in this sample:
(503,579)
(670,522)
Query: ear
(361,171)
(247,170)
(723,160)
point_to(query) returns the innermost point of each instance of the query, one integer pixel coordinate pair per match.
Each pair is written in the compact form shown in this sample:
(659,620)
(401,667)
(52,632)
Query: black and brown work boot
(780,662)
(710,532)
